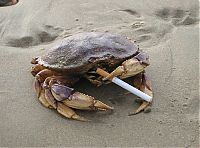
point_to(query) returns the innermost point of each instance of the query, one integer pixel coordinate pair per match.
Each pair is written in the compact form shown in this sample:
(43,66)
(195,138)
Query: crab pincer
(54,94)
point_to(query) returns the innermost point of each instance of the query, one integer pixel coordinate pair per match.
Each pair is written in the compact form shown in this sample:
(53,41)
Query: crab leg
(41,74)
(38,87)
(36,69)
(130,67)
(142,82)
(39,79)
(49,98)
(43,99)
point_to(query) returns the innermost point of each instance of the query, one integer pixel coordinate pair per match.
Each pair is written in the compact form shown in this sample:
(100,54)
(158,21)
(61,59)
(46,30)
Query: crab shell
(82,52)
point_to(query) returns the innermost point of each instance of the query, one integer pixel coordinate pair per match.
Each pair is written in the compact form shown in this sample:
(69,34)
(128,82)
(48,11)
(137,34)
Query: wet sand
(168,31)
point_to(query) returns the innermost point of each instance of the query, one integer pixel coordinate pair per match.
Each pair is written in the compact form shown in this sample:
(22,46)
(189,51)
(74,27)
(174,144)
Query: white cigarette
(132,89)
(126,86)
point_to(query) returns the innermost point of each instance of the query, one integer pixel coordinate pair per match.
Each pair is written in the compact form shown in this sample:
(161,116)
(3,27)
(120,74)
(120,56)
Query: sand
(166,30)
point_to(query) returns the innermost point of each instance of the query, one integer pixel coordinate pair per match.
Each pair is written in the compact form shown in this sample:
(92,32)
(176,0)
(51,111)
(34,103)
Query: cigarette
(126,86)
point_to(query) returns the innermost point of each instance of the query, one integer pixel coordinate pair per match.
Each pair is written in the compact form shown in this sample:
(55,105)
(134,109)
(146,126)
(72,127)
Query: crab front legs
(132,67)
(64,98)
(52,92)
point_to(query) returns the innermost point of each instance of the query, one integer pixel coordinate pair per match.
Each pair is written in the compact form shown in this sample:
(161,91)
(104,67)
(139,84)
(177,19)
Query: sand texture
(166,29)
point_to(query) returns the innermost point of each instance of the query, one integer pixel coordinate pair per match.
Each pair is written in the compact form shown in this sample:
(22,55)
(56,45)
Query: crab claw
(52,92)
(84,102)
(61,92)
(76,100)
(69,113)
(102,106)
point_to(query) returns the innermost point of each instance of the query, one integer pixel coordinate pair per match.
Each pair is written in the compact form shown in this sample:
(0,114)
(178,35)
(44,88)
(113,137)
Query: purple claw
(61,92)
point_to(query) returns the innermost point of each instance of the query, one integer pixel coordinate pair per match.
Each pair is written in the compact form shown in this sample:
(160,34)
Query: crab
(78,56)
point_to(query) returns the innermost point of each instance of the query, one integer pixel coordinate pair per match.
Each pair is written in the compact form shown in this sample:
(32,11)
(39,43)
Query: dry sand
(167,30)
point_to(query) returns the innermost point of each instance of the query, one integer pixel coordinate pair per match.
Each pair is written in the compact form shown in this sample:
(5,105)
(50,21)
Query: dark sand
(167,30)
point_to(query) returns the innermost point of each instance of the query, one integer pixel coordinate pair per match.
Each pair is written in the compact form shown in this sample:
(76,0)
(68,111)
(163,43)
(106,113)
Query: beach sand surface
(167,30)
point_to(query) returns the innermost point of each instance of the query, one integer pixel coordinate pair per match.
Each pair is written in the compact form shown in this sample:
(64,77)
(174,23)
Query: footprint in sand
(47,34)
(178,17)
(140,30)
(151,33)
